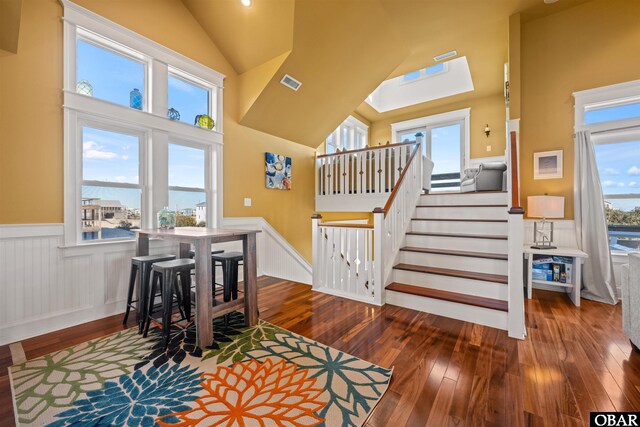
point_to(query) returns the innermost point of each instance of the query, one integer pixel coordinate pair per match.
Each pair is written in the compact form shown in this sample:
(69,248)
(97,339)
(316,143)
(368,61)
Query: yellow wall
(488,110)
(31,148)
(587,46)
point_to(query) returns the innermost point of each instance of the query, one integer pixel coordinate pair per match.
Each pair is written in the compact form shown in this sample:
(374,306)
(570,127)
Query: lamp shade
(545,206)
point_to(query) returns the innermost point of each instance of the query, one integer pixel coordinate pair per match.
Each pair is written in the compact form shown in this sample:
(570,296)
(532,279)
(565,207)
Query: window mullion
(159,82)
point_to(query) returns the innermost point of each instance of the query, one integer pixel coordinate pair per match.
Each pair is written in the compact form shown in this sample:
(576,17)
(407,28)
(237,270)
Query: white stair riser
(454,262)
(458,243)
(483,316)
(464,199)
(467,227)
(471,212)
(452,284)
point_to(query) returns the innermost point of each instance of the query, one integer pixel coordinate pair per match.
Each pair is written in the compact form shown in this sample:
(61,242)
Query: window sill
(108,246)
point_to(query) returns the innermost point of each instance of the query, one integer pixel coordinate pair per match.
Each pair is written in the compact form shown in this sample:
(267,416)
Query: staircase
(454,262)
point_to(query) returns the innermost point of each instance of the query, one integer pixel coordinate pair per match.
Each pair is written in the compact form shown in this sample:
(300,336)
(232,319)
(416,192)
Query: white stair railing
(355,260)
(516,319)
(362,178)
(343,260)
(392,222)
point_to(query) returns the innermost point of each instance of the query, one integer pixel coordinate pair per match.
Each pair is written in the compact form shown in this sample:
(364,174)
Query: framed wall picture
(547,165)
(278,171)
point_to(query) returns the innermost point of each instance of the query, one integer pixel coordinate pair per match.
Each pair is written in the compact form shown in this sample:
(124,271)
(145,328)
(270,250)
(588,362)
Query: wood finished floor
(446,372)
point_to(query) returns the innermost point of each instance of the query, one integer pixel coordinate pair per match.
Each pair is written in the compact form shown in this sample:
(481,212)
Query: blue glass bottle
(135,99)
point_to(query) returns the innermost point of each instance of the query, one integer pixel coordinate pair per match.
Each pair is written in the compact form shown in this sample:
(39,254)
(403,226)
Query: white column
(378,260)
(315,250)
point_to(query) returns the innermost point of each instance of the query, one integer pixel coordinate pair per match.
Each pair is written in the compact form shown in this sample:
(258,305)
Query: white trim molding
(45,286)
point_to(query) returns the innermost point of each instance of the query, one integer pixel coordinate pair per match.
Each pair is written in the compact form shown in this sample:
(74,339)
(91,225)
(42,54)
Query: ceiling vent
(290,82)
(445,55)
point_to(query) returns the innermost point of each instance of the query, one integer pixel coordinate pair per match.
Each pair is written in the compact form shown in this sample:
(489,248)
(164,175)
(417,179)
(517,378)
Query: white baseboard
(45,286)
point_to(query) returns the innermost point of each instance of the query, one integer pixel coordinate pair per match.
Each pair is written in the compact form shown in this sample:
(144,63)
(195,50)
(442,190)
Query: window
(127,158)
(350,135)
(424,73)
(612,115)
(445,141)
(111,190)
(109,74)
(188,98)
(187,195)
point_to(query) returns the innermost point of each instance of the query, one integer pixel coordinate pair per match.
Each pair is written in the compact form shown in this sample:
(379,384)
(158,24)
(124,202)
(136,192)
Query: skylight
(423,85)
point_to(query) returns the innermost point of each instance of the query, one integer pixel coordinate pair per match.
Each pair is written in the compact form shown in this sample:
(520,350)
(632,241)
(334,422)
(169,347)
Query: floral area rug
(258,376)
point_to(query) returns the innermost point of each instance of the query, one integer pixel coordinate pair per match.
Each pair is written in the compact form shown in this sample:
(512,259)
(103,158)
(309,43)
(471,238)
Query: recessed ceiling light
(445,55)
(550,1)
(246,3)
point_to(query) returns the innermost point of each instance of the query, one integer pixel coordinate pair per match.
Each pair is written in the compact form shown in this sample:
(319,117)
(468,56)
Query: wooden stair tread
(489,303)
(467,236)
(456,253)
(497,278)
(460,219)
(503,205)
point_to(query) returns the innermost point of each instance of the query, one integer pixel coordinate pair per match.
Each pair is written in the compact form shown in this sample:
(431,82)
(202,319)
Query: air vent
(290,82)
(445,55)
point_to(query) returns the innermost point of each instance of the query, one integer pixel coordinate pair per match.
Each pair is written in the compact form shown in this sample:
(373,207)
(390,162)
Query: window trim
(353,127)
(152,122)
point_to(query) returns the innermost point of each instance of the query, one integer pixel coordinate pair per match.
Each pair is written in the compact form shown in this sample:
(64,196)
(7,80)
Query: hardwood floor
(446,372)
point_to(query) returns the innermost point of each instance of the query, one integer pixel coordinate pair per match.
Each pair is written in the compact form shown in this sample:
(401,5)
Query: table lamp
(544,207)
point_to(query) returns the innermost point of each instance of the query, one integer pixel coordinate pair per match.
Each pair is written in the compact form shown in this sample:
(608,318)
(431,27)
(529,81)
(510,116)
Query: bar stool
(229,262)
(142,265)
(167,273)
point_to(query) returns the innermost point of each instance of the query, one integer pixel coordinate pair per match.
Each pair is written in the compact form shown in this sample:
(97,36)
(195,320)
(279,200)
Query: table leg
(577,281)
(142,249)
(142,245)
(250,280)
(184,250)
(530,277)
(204,296)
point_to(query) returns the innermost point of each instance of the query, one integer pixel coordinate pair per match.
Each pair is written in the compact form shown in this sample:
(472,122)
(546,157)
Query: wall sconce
(487,130)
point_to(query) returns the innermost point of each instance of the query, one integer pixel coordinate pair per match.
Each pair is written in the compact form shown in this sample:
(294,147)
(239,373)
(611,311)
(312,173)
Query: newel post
(378,260)
(315,249)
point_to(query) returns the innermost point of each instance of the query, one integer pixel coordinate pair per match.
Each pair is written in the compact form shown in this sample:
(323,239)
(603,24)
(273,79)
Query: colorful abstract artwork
(278,171)
(251,376)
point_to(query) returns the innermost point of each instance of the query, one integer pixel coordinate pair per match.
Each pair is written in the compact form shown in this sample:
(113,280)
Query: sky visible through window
(111,76)
(190,100)
(618,163)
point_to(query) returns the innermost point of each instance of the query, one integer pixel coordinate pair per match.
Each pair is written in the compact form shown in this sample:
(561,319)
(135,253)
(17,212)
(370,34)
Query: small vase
(135,99)
(173,114)
(84,88)
(204,121)
(166,219)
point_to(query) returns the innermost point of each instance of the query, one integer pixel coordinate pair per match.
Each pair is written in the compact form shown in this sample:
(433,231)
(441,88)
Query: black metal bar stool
(142,265)
(229,262)
(167,274)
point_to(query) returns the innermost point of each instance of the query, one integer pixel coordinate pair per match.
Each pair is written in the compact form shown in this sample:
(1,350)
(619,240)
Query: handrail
(387,206)
(515,186)
(376,147)
(345,225)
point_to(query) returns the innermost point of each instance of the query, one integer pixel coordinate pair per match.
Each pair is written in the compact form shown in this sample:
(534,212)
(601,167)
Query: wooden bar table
(202,238)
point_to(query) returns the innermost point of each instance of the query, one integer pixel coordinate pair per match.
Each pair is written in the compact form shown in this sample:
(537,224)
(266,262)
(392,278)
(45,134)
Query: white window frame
(354,127)
(462,116)
(152,123)
(614,131)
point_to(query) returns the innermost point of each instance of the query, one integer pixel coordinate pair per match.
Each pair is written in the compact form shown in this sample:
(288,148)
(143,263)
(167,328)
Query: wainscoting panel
(45,286)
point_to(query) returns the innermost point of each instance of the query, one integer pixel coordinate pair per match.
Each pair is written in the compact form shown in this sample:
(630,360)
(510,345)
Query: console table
(573,288)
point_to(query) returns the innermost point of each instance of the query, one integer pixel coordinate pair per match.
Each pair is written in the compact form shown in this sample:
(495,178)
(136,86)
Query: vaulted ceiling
(343,49)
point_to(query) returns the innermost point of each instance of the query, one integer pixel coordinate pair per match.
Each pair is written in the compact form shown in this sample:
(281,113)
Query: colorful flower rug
(258,376)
